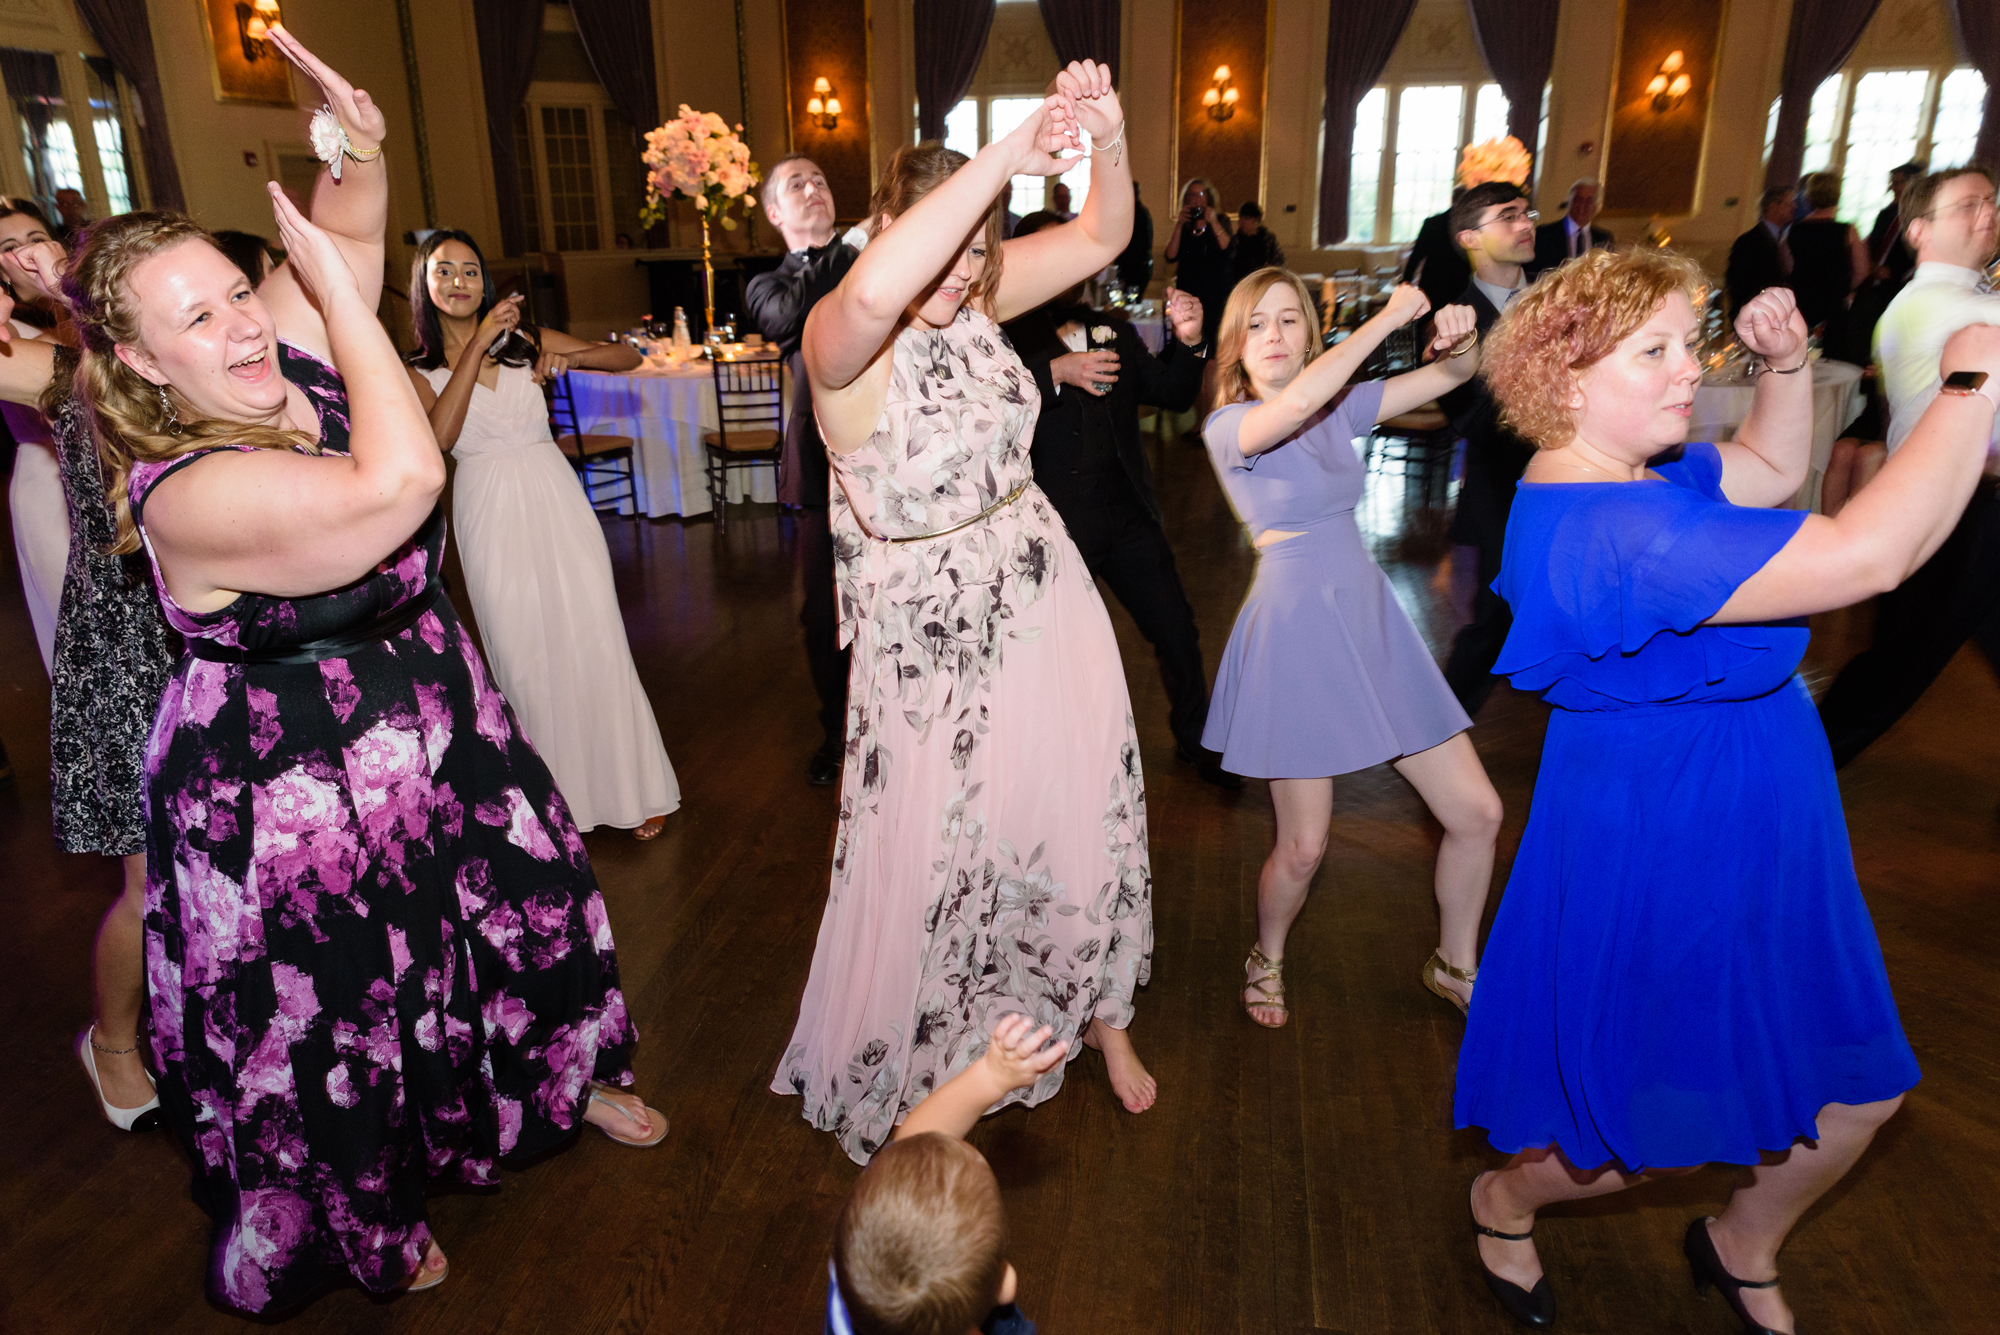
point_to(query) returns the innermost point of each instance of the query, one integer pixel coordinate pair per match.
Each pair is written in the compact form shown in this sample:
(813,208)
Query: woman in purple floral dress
(376,955)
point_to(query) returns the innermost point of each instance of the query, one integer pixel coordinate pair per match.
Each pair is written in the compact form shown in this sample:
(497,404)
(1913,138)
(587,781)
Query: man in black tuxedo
(800,206)
(1436,264)
(1496,230)
(1760,258)
(1094,372)
(1573,234)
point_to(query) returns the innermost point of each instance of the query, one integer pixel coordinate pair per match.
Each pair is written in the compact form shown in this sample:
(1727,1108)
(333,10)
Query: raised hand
(1184,315)
(38,267)
(1406,303)
(499,322)
(1015,1055)
(312,254)
(1088,86)
(359,115)
(1035,144)
(1450,327)
(1770,326)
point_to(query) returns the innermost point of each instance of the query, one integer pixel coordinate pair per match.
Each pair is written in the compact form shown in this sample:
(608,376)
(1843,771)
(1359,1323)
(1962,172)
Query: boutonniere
(1101,334)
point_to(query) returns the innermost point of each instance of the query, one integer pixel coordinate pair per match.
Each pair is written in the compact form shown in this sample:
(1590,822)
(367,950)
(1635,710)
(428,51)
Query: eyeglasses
(1973,207)
(1511,218)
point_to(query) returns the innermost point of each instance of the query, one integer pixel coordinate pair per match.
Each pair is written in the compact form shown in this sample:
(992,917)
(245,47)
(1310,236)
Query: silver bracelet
(1764,367)
(1116,140)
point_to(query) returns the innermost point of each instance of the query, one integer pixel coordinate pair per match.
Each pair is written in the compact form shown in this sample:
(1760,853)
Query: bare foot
(1515,1262)
(1767,1306)
(430,1272)
(624,1117)
(123,1077)
(1129,1080)
(650,831)
(1264,994)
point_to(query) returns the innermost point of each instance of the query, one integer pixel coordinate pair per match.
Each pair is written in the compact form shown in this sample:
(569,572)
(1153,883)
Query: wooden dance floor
(1300,1180)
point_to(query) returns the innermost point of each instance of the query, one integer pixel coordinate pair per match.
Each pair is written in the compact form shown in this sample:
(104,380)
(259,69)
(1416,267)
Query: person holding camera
(1199,249)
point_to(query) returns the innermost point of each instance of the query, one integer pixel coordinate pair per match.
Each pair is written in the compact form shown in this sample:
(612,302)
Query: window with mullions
(572,185)
(1861,124)
(107,123)
(1405,153)
(48,144)
(962,133)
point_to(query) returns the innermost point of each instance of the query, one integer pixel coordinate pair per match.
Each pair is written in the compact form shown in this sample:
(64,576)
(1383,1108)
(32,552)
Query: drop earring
(167,411)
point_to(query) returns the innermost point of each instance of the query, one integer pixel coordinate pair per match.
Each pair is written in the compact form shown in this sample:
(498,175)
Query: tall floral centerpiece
(697,156)
(1501,159)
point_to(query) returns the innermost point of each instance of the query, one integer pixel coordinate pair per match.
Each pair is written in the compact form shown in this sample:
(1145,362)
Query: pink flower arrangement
(697,156)
(1501,159)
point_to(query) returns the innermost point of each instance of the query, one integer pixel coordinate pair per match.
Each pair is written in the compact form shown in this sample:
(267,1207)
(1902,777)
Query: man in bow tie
(800,206)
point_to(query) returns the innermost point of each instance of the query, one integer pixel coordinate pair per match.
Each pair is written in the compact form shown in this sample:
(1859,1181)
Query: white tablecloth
(1722,402)
(1152,329)
(665,412)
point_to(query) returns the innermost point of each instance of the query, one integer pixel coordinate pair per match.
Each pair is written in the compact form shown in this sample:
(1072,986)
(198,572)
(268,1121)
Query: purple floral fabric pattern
(991,854)
(376,955)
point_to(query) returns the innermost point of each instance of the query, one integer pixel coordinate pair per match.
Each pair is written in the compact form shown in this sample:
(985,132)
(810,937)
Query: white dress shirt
(1499,296)
(1940,300)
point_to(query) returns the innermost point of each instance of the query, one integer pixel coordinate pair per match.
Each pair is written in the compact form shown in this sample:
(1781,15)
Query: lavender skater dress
(375,953)
(1324,673)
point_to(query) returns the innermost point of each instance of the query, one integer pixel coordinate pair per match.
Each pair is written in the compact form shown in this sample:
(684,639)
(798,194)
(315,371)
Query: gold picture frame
(242,66)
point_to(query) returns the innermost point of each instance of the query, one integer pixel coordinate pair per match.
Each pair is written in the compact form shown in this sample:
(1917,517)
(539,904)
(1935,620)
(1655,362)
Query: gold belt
(989,511)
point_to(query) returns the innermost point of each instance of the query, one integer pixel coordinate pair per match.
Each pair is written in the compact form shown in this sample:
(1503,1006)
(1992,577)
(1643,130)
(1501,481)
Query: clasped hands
(1454,330)
(1081,101)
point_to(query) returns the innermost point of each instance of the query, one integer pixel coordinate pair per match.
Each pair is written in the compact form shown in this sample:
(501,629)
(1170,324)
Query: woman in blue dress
(1683,971)
(1324,674)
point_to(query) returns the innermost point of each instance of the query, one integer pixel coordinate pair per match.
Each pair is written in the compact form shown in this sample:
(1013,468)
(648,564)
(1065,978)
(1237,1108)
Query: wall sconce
(1670,84)
(1220,99)
(253,21)
(824,108)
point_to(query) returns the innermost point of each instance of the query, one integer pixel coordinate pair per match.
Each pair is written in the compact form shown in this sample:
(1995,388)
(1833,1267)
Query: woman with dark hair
(35,491)
(1683,970)
(375,954)
(1324,674)
(991,854)
(249,252)
(536,566)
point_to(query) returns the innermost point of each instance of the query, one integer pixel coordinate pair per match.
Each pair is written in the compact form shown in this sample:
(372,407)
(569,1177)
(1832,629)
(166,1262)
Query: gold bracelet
(1463,346)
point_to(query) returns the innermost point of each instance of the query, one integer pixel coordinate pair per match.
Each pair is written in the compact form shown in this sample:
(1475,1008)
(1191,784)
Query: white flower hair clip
(330,142)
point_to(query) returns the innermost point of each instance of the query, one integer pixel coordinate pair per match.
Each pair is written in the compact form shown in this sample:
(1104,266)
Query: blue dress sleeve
(1601,573)
(1219,434)
(1352,413)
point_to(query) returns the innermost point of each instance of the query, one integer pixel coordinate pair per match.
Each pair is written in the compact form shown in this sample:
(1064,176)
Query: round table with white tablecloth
(664,409)
(1724,400)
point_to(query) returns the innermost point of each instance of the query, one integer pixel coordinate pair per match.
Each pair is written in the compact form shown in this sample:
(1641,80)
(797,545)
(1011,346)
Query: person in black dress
(1094,372)
(800,206)
(1199,250)
(1828,259)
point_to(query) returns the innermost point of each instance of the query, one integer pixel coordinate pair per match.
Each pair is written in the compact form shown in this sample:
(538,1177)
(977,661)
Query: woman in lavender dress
(1323,673)
(376,956)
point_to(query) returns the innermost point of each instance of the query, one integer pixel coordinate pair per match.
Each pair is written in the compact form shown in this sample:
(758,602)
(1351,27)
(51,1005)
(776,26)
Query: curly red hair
(1570,319)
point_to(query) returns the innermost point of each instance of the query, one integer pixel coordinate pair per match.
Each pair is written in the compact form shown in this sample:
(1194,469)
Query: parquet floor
(1302,1180)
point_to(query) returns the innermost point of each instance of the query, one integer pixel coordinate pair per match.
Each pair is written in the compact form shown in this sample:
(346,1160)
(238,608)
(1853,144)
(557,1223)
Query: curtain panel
(950,38)
(618,37)
(1083,30)
(1823,36)
(1978,24)
(509,31)
(1518,40)
(1359,41)
(123,30)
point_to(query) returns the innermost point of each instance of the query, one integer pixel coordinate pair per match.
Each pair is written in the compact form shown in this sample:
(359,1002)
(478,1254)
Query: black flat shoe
(1208,767)
(1707,1267)
(823,769)
(1535,1308)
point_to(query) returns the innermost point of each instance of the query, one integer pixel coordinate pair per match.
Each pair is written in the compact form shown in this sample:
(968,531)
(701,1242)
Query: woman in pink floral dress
(991,856)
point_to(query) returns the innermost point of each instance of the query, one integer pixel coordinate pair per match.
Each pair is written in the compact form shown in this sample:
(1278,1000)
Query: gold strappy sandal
(1271,988)
(1434,966)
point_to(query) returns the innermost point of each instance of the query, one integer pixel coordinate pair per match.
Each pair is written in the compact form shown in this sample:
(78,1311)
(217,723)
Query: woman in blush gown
(991,854)
(536,567)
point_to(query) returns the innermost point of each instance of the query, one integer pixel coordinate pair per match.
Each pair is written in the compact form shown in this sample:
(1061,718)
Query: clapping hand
(1087,84)
(1450,328)
(1184,315)
(1015,1056)
(1406,303)
(358,114)
(1770,326)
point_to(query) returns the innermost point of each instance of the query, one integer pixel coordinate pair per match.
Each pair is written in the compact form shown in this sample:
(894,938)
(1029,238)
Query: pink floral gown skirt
(991,852)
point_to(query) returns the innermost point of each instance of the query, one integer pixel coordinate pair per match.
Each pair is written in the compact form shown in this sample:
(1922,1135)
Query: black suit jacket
(1495,457)
(1753,266)
(1552,243)
(1076,420)
(1436,264)
(779,302)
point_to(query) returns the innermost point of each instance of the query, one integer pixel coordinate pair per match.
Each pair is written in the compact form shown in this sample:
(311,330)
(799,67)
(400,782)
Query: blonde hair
(915,171)
(1207,187)
(127,411)
(1569,320)
(921,1245)
(1233,380)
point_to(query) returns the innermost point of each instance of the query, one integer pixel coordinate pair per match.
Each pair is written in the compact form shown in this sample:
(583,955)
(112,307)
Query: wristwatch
(1964,384)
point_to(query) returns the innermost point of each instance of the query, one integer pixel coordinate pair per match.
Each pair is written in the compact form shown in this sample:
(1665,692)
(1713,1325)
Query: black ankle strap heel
(1534,1308)
(1709,1272)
